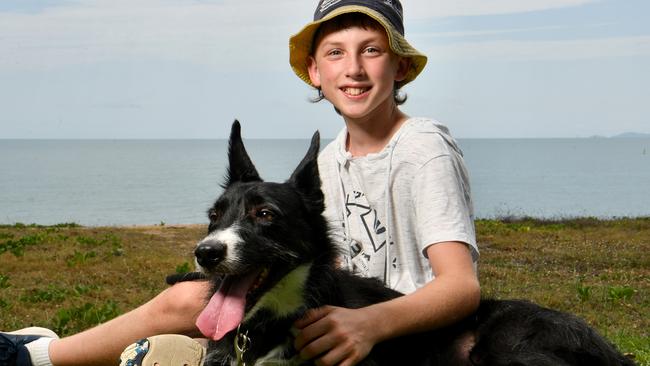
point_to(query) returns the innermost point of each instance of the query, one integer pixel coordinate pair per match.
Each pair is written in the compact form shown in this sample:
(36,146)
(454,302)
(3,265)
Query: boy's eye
(335,52)
(372,50)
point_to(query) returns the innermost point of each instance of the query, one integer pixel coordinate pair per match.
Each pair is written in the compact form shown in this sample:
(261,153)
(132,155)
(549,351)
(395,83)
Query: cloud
(217,33)
(446,8)
(227,35)
(507,50)
(491,32)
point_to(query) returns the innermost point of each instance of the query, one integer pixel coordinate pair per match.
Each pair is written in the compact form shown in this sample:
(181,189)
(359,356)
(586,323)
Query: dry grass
(68,278)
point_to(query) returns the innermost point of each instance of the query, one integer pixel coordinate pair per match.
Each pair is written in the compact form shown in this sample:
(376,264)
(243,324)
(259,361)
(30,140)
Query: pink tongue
(225,311)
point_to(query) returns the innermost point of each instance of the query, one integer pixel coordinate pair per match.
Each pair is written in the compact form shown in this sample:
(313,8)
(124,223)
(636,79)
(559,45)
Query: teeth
(355,91)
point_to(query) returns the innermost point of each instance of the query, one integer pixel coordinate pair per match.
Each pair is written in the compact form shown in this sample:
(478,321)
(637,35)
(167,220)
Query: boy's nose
(354,67)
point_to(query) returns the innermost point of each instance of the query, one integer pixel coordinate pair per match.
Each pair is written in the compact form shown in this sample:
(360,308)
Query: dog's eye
(264,214)
(213,215)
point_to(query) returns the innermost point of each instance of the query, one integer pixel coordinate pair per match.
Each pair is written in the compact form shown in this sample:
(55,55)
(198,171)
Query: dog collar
(242,344)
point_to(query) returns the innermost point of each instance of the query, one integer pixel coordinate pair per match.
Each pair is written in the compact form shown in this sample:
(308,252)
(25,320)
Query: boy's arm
(345,336)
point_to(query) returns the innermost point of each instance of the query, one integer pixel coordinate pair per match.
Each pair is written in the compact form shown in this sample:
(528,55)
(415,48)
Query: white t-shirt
(415,192)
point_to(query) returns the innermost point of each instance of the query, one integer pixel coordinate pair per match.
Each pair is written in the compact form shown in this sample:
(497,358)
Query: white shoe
(43,332)
(164,350)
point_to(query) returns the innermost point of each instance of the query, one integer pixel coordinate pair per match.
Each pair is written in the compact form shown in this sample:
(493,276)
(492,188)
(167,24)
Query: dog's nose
(209,254)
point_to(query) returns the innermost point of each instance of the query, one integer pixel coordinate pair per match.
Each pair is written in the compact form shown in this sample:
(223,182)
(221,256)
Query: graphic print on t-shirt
(368,238)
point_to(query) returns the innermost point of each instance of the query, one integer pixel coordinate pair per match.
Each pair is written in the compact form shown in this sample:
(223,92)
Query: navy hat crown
(390,9)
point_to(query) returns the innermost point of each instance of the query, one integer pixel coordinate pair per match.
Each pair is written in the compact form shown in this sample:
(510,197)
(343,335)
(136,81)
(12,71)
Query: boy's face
(356,70)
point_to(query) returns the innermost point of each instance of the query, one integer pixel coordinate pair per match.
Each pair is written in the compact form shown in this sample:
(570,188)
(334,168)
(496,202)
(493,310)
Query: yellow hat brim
(300,44)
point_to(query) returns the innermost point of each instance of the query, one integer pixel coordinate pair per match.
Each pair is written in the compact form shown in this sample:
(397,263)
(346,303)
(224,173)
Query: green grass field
(68,278)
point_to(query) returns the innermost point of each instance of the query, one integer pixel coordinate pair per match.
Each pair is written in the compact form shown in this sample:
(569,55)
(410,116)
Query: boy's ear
(403,66)
(314,75)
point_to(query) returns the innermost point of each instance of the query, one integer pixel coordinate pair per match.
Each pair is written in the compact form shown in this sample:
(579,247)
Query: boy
(396,191)
(395,186)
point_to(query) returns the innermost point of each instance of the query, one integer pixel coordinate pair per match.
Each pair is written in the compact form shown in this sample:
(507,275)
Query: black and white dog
(270,257)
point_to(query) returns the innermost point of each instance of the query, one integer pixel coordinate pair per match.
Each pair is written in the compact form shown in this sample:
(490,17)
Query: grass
(68,278)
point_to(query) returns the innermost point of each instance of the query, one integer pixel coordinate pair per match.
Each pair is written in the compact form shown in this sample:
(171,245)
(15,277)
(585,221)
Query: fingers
(328,336)
(325,346)
(311,316)
(332,351)
(341,355)
(311,328)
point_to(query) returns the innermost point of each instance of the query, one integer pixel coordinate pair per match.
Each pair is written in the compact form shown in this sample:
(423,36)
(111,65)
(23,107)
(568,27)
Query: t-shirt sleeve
(443,204)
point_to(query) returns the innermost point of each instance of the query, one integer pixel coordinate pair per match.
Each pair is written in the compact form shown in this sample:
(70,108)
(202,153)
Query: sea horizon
(116,182)
(624,135)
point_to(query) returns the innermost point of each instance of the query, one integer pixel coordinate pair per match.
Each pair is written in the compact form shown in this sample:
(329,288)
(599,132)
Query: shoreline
(505,219)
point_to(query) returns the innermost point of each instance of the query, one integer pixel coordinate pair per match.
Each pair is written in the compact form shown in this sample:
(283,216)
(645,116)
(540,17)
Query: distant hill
(631,135)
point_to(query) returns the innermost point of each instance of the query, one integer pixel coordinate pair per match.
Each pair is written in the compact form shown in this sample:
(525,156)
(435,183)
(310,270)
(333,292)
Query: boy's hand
(337,336)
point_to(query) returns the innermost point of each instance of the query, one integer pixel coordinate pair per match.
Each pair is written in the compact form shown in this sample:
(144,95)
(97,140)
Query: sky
(150,69)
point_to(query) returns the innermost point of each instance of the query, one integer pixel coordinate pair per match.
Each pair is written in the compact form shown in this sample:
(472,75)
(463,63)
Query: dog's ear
(306,177)
(241,168)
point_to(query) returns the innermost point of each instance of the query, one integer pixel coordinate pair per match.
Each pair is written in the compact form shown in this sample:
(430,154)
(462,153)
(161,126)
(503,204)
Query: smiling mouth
(354,91)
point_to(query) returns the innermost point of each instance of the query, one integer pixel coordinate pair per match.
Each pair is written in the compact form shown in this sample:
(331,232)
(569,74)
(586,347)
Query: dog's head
(255,224)
(260,231)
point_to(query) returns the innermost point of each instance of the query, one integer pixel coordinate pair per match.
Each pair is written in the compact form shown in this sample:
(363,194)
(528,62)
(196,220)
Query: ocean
(144,182)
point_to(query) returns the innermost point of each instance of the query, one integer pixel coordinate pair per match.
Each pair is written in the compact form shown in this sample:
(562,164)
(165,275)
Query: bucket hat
(388,13)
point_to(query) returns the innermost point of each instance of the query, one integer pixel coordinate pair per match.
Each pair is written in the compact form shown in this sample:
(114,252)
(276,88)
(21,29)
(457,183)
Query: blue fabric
(141,349)
(13,351)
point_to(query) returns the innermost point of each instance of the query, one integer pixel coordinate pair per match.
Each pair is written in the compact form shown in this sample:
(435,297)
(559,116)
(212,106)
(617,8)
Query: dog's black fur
(282,227)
